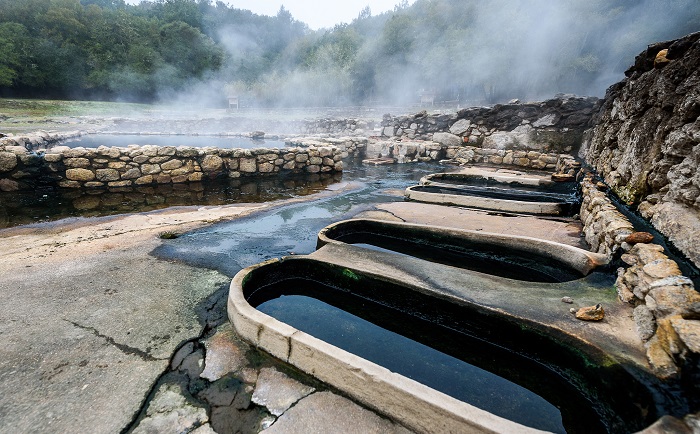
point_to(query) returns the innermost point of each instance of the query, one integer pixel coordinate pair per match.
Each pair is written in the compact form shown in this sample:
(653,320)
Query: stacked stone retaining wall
(354,147)
(425,151)
(666,304)
(336,126)
(556,125)
(147,165)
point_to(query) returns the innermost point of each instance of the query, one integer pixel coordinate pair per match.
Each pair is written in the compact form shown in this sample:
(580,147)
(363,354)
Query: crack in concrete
(126,349)
(391,213)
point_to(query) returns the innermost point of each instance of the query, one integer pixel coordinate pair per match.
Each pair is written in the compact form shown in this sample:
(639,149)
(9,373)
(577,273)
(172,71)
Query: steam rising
(471,51)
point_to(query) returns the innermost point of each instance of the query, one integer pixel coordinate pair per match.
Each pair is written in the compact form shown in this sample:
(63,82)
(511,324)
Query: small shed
(427,97)
(233,102)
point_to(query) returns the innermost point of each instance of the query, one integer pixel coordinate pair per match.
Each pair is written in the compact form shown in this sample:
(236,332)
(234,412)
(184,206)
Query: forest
(200,50)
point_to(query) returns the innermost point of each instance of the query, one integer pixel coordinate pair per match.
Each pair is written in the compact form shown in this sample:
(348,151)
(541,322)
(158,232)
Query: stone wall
(666,304)
(354,147)
(145,165)
(555,125)
(407,151)
(604,227)
(336,126)
(646,142)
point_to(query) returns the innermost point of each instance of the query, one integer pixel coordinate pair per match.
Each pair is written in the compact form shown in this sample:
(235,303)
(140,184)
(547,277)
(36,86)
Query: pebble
(568,300)
(591,313)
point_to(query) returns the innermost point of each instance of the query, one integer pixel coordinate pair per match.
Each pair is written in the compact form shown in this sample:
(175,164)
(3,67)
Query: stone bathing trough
(448,330)
(505,191)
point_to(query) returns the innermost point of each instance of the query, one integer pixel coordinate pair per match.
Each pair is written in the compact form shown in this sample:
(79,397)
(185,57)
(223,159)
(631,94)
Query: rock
(170,411)
(591,313)
(76,162)
(193,364)
(326,412)
(447,139)
(212,163)
(688,332)
(171,165)
(545,121)
(668,425)
(460,127)
(8,185)
(180,355)
(661,363)
(671,300)
(248,165)
(639,237)
(277,392)
(562,177)
(568,300)
(223,355)
(222,392)
(661,60)
(662,268)
(645,322)
(107,175)
(645,144)
(82,175)
(8,161)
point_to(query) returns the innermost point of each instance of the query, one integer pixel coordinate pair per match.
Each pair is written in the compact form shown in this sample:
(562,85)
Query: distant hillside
(200,51)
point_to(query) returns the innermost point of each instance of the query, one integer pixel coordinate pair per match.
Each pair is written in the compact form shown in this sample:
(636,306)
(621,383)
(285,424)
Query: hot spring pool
(124,140)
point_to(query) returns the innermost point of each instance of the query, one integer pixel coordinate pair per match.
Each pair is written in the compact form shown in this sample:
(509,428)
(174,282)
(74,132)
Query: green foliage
(462,49)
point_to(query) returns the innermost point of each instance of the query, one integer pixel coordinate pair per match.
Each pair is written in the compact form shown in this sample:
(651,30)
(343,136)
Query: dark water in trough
(415,360)
(124,140)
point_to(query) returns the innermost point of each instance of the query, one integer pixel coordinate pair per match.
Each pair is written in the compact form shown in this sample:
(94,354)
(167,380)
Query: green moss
(350,274)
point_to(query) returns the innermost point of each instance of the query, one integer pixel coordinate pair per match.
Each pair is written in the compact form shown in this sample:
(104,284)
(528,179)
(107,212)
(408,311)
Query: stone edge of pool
(505,205)
(413,404)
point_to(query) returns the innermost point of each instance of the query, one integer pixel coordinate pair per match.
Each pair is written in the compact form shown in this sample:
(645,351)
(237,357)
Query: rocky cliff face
(646,143)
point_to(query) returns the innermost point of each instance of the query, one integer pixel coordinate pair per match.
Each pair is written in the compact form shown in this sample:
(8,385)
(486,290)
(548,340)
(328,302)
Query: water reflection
(124,140)
(40,206)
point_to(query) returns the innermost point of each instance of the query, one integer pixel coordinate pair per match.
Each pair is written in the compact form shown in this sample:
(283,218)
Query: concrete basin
(515,257)
(496,199)
(526,318)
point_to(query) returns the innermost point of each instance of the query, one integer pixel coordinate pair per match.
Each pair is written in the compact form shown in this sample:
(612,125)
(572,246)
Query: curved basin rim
(385,391)
(581,260)
(496,177)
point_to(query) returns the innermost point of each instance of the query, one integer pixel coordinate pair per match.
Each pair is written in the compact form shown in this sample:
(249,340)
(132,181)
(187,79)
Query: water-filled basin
(497,199)
(392,346)
(124,140)
(514,257)
(519,181)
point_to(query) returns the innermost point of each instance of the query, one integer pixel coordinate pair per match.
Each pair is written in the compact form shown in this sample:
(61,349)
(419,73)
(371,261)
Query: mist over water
(196,53)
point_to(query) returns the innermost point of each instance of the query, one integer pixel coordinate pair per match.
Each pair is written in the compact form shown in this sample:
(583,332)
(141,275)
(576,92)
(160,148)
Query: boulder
(447,139)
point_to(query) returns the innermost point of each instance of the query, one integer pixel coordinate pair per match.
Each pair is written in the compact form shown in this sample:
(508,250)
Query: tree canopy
(467,50)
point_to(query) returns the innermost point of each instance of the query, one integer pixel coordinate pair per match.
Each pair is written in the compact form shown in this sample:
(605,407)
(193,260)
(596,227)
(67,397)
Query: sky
(317,14)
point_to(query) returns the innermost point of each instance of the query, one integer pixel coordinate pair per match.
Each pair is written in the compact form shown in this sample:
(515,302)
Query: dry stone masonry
(135,165)
(666,304)
(556,125)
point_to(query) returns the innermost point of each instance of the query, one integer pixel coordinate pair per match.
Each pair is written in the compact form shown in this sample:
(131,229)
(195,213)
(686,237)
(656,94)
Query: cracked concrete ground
(90,320)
